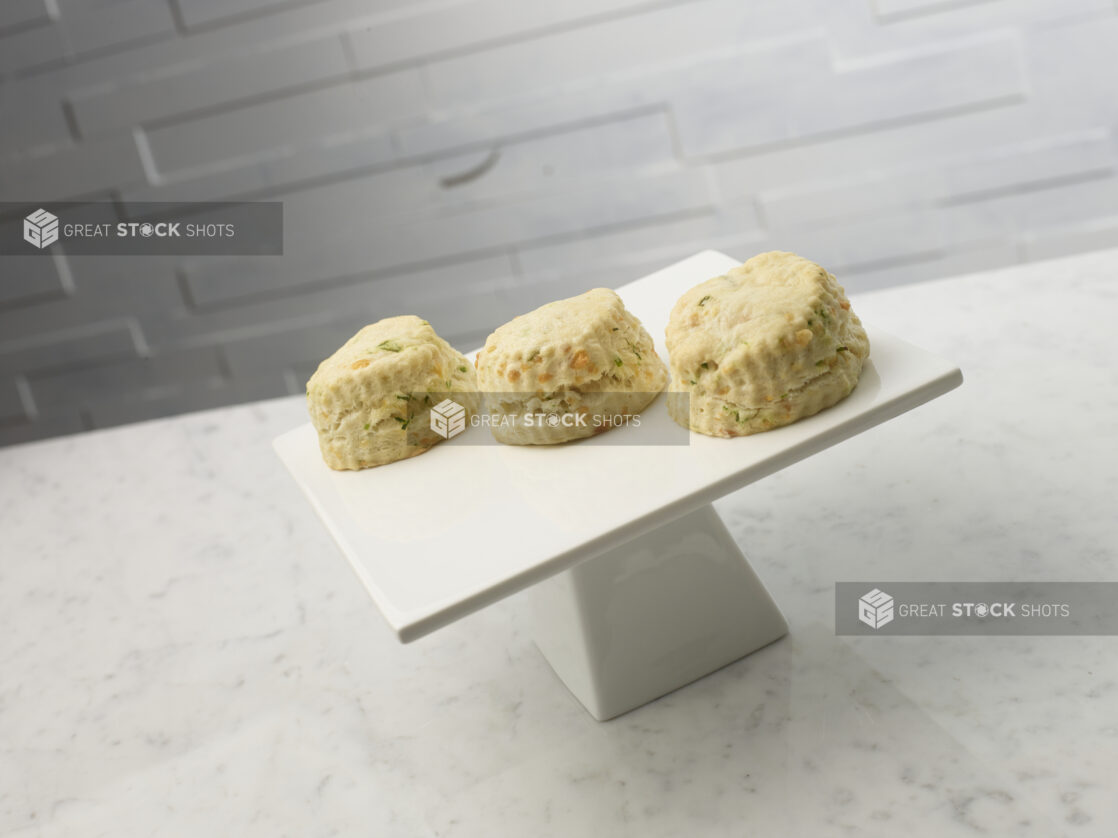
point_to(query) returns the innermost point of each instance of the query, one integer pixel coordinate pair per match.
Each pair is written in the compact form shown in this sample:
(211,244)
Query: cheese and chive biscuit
(371,400)
(772,341)
(586,356)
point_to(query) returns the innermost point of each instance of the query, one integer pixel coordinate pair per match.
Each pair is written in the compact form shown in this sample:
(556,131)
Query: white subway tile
(894,9)
(441,132)
(1071,71)
(1052,242)
(156,55)
(1015,167)
(19,14)
(70,347)
(307,164)
(855,32)
(197,13)
(340,218)
(747,100)
(105,289)
(455,314)
(368,299)
(345,241)
(936,80)
(468,125)
(988,255)
(932,18)
(27,48)
(628,253)
(94,26)
(183,399)
(81,30)
(888,148)
(12,406)
(1029,165)
(55,391)
(29,280)
(208,85)
(458,27)
(636,143)
(629,145)
(758,112)
(898,238)
(276,350)
(568,59)
(86,168)
(279,126)
(1060,205)
(873,246)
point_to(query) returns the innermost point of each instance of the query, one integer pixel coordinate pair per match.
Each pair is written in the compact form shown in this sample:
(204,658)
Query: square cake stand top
(436,537)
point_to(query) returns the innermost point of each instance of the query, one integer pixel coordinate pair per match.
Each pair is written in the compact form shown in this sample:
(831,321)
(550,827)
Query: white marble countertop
(184,652)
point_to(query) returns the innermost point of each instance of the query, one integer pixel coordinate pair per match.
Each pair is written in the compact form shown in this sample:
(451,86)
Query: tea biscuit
(371,400)
(772,341)
(586,356)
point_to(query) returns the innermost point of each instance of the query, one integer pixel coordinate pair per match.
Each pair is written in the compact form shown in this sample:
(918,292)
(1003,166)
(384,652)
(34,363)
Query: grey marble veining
(183,651)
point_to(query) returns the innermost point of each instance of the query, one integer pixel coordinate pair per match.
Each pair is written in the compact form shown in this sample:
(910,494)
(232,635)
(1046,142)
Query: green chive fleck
(618,362)
(703,301)
(705,365)
(366,426)
(842,349)
(402,397)
(389,346)
(463,369)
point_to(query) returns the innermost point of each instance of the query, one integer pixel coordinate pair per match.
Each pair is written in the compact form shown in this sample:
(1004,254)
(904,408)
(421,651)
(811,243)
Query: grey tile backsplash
(470,159)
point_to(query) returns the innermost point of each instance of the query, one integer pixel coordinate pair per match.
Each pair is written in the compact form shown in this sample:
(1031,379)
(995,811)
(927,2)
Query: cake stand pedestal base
(659,612)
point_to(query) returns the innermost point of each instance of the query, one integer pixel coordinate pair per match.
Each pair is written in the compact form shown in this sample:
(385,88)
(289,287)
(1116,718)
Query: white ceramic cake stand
(638,587)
